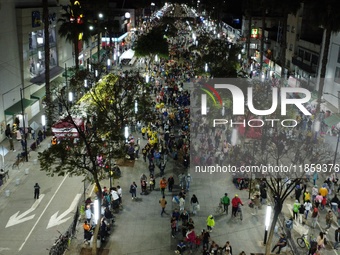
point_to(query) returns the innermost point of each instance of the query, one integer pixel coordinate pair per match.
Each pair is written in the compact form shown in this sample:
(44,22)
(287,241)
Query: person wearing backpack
(315,217)
(301,213)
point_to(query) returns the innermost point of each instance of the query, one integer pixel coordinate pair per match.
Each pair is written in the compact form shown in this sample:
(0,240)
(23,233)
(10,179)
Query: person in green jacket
(296,207)
(225,201)
(210,223)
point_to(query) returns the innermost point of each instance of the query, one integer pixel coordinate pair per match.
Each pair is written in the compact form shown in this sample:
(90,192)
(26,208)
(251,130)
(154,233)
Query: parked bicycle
(304,241)
(20,160)
(219,209)
(239,212)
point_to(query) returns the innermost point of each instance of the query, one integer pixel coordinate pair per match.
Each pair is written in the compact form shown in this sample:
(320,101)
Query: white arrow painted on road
(17,219)
(57,220)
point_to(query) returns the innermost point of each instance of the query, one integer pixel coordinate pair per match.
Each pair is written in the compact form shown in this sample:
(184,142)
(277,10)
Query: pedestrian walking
(308,206)
(225,201)
(173,224)
(210,223)
(235,202)
(162,185)
(171,182)
(9,136)
(194,203)
(88,213)
(188,180)
(337,238)
(296,207)
(315,217)
(256,203)
(152,182)
(163,203)
(36,191)
(181,203)
(133,190)
(329,219)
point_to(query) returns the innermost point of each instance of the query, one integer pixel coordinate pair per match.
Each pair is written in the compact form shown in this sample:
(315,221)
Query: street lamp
(96,210)
(206,67)
(147,78)
(267,222)
(85,83)
(43,123)
(336,148)
(126,133)
(136,106)
(234,137)
(223,110)
(317,126)
(70,96)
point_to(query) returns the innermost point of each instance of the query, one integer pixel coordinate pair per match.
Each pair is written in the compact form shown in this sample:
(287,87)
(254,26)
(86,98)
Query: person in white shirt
(119,191)
(308,206)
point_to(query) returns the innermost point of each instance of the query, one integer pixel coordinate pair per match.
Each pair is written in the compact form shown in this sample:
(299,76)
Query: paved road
(26,226)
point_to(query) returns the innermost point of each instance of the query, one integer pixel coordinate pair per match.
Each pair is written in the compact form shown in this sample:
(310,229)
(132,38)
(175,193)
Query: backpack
(315,213)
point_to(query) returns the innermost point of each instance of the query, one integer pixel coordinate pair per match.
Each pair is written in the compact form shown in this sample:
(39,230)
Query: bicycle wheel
(301,242)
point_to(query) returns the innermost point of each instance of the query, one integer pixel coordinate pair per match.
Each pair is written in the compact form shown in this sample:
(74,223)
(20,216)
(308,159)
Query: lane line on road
(36,223)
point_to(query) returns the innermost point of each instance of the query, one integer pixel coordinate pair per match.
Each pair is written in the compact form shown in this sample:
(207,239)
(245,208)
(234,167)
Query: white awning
(127,54)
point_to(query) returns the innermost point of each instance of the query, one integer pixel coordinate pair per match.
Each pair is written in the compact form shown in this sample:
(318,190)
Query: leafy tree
(155,38)
(108,107)
(325,15)
(74,27)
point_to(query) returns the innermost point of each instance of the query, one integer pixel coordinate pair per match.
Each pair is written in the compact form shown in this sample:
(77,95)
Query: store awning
(39,94)
(332,120)
(101,53)
(16,108)
(40,80)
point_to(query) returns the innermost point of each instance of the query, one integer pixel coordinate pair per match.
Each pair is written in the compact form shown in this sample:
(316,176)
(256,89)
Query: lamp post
(43,123)
(267,223)
(100,16)
(336,148)
(126,133)
(317,125)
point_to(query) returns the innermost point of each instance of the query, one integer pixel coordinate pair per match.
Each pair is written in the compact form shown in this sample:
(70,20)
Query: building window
(337,75)
(315,59)
(36,59)
(288,28)
(339,55)
(291,47)
(307,56)
(293,29)
(301,53)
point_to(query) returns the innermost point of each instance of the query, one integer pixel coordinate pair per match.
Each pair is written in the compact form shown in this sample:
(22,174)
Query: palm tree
(49,108)
(74,27)
(327,16)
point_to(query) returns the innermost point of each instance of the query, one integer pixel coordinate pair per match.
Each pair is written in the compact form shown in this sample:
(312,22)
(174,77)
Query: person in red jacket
(234,203)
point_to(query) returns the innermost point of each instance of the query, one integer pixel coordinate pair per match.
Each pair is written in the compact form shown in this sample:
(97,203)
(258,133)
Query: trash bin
(7,192)
(17,181)
(35,161)
(27,170)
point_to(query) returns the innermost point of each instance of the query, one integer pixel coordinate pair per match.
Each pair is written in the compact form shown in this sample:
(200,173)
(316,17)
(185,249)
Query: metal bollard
(17,181)
(7,192)
(27,170)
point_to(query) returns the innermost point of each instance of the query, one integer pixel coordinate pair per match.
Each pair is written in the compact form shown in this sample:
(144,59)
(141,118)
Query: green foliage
(152,43)
(74,27)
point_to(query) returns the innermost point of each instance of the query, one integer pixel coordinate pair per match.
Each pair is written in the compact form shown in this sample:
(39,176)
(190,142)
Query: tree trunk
(323,69)
(271,231)
(49,105)
(262,36)
(76,51)
(248,37)
(283,44)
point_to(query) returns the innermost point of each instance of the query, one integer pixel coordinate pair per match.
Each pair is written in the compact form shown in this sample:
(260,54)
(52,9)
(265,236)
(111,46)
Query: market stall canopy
(332,120)
(66,129)
(127,54)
